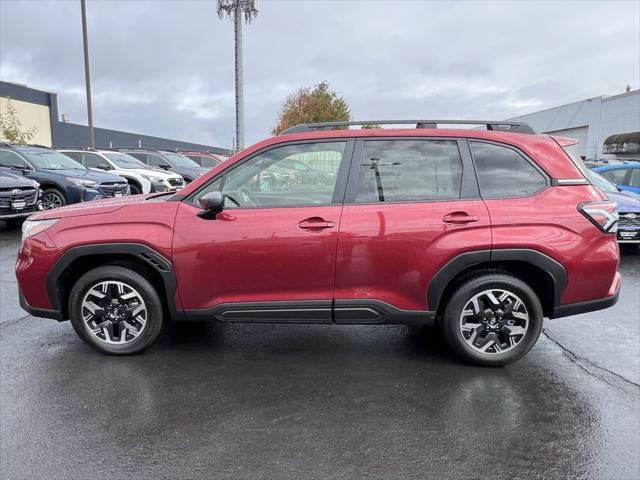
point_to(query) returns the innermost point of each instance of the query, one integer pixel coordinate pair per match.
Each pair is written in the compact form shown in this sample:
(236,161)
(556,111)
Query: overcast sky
(165,68)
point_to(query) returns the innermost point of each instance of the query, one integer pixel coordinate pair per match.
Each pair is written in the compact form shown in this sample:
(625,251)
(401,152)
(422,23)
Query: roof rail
(513,127)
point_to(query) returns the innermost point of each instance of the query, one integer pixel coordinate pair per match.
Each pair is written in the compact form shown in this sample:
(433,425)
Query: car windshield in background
(122,160)
(51,160)
(180,160)
(601,182)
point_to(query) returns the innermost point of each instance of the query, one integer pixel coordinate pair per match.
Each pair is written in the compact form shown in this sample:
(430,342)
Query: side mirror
(212,203)
(165,166)
(22,168)
(103,166)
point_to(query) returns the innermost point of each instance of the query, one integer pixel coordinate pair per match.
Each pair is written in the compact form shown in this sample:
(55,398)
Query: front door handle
(460,218)
(315,223)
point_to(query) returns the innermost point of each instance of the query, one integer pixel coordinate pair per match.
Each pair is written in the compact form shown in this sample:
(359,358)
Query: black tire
(111,273)
(53,198)
(476,285)
(134,189)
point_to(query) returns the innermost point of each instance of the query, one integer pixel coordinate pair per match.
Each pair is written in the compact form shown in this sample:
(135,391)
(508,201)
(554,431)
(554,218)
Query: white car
(142,178)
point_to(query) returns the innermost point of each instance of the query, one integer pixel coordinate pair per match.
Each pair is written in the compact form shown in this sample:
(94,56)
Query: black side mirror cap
(212,204)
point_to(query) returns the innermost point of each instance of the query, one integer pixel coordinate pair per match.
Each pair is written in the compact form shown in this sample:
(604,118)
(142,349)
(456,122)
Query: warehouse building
(39,109)
(608,127)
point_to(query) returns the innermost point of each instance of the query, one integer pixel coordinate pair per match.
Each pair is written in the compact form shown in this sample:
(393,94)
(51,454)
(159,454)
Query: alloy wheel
(494,321)
(114,312)
(51,200)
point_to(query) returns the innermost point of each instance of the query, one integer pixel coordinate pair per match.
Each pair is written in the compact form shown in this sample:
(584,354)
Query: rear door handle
(315,223)
(460,218)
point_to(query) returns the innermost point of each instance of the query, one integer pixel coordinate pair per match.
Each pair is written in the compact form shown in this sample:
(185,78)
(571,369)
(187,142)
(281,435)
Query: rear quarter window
(503,172)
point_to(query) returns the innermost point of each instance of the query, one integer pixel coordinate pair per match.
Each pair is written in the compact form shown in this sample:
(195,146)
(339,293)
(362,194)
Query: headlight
(81,182)
(33,227)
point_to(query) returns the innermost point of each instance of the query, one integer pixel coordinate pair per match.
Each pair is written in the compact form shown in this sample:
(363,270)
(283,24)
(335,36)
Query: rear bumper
(590,305)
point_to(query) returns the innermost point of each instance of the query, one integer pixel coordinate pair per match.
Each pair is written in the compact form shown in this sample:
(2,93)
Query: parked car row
(34,177)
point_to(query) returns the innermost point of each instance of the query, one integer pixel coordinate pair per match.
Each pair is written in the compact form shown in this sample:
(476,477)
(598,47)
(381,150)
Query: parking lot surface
(306,401)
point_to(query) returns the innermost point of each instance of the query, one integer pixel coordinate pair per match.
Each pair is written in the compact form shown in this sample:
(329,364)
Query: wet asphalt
(318,402)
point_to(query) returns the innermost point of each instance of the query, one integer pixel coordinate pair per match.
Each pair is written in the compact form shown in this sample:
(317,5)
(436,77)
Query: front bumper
(590,305)
(39,312)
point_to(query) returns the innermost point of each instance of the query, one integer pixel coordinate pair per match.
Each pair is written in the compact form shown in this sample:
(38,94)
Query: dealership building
(39,109)
(607,127)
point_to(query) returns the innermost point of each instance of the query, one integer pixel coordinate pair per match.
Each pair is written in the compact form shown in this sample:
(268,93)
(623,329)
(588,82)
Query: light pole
(87,74)
(236,9)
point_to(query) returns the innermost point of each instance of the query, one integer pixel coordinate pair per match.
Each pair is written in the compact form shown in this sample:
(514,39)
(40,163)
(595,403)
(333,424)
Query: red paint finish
(549,222)
(390,252)
(382,251)
(255,254)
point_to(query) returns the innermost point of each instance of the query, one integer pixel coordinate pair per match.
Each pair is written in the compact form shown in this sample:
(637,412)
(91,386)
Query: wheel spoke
(494,321)
(115,312)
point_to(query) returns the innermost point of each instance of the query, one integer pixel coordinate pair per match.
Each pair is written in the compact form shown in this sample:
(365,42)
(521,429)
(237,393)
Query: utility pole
(87,74)
(236,9)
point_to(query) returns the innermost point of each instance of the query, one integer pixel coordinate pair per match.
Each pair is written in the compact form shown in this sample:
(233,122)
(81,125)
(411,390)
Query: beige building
(31,115)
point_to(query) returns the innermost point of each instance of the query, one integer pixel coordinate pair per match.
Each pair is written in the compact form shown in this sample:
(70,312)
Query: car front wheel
(116,310)
(53,198)
(492,319)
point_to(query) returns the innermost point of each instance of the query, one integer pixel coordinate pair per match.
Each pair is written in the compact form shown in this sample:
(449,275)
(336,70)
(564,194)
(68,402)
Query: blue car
(628,204)
(62,179)
(625,175)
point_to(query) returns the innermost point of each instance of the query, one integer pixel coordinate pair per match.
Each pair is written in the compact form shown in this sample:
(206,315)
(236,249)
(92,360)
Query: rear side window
(409,170)
(503,172)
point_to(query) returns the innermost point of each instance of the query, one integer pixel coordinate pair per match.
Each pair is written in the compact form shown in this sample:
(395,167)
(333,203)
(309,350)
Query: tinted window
(409,170)
(616,176)
(77,156)
(267,180)
(635,177)
(155,160)
(91,160)
(503,172)
(9,159)
(140,156)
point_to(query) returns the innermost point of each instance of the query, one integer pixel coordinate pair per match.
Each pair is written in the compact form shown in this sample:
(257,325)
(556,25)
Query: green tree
(311,105)
(11,130)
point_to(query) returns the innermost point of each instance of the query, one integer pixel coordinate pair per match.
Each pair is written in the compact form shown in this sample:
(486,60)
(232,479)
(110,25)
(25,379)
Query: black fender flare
(147,255)
(465,260)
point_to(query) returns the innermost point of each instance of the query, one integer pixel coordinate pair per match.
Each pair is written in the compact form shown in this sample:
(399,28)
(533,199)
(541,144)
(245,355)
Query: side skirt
(343,312)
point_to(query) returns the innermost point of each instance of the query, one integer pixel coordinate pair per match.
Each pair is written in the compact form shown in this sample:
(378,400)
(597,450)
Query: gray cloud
(166,67)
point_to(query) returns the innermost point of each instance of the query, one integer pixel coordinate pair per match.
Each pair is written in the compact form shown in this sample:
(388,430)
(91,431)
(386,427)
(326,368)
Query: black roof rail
(512,127)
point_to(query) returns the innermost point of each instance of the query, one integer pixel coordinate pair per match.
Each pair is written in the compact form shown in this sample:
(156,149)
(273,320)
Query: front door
(271,254)
(411,206)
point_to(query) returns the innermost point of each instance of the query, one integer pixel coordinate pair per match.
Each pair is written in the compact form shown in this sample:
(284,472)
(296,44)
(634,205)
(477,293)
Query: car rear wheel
(53,198)
(492,319)
(116,310)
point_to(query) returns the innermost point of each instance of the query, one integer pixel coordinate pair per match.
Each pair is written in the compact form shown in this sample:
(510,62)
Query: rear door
(412,204)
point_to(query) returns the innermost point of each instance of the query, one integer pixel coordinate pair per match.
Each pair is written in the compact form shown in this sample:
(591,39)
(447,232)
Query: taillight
(602,214)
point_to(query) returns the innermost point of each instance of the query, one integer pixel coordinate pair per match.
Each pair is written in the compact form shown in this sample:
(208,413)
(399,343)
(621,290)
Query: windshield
(51,160)
(180,160)
(122,160)
(601,182)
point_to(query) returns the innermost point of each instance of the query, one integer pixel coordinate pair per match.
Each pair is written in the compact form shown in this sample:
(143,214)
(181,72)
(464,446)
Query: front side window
(156,160)
(11,159)
(91,160)
(409,170)
(635,178)
(503,172)
(178,160)
(268,179)
(616,175)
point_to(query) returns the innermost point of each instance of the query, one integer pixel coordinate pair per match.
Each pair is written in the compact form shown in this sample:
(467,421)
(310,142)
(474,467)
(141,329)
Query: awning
(622,143)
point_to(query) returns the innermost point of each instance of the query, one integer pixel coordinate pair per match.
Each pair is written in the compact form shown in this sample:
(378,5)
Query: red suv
(483,232)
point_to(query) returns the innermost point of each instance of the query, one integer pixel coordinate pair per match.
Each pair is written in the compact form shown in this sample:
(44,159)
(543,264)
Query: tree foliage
(311,105)
(11,130)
